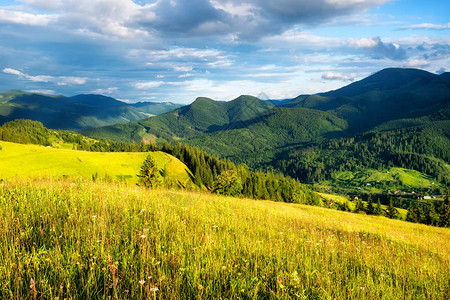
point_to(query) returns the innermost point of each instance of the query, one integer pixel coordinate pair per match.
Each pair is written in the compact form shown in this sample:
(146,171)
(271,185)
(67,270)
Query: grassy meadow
(376,181)
(33,161)
(80,239)
(341,199)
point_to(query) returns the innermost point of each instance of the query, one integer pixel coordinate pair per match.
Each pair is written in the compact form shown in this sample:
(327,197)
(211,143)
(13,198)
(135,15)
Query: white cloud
(338,76)
(45,92)
(24,18)
(416,63)
(182,68)
(148,84)
(380,49)
(106,91)
(59,80)
(428,26)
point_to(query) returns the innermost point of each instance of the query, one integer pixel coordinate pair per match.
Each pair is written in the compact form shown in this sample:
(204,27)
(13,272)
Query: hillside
(33,161)
(409,108)
(99,240)
(271,130)
(77,112)
(204,115)
(388,95)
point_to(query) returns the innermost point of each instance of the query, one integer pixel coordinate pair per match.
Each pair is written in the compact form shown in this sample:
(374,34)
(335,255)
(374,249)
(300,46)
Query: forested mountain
(391,94)
(77,112)
(393,118)
(204,115)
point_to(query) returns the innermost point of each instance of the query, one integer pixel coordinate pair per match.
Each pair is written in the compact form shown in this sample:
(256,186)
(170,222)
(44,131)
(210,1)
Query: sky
(178,50)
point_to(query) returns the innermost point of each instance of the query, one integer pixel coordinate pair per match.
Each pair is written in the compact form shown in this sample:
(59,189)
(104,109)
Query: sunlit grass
(33,161)
(85,240)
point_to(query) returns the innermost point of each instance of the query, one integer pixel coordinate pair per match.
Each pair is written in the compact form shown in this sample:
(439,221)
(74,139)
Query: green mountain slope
(204,115)
(390,94)
(246,142)
(78,112)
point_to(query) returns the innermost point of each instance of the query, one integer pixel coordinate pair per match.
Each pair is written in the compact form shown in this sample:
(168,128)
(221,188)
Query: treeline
(24,132)
(430,214)
(209,172)
(421,149)
(424,212)
(224,177)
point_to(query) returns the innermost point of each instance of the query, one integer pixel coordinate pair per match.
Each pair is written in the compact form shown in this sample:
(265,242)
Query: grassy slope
(31,161)
(342,199)
(382,180)
(94,240)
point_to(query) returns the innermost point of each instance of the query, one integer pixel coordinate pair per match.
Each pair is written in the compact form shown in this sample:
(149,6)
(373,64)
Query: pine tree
(444,216)
(378,211)
(430,215)
(149,175)
(370,209)
(391,211)
(359,206)
(413,214)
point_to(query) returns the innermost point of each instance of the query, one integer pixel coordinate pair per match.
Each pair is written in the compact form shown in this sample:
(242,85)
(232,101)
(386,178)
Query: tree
(370,208)
(359,207)
(430,216)
(378,211)
(228,183)
(444,216)
(413,214)
(149,175)
(391,211)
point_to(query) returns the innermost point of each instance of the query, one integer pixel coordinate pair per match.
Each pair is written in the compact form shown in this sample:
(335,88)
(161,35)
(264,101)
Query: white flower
(154,289)
(143,236)
(141,282)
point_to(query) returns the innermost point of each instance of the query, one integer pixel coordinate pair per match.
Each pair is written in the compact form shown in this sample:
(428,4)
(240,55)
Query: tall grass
(86,240)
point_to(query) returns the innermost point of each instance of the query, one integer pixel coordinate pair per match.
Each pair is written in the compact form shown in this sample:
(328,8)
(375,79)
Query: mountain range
(77,112)
(410,106)
(394,118)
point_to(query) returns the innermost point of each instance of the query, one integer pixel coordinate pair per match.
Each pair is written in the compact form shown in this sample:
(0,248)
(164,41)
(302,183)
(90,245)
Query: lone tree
(149,175)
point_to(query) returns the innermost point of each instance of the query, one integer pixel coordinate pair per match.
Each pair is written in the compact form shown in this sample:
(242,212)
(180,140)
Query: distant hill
(77,112)
(391,94)
(204,115)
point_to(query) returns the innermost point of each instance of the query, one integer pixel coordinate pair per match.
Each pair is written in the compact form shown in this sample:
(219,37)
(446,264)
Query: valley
(314,197)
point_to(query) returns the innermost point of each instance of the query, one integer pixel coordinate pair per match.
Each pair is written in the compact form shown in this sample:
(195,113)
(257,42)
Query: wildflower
(33,288)
(141,282)
(154,289)
(200,287)
(143,236)
(279,280)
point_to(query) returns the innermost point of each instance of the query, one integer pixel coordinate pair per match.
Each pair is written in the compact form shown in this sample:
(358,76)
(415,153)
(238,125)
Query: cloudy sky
(177,50)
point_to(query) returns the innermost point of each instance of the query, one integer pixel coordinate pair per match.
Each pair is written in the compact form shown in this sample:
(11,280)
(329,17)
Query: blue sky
(177,50)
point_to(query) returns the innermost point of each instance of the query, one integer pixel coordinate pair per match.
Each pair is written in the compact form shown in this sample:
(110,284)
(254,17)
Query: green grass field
(374,181)
(98,240)
(32,161)
(342,199)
